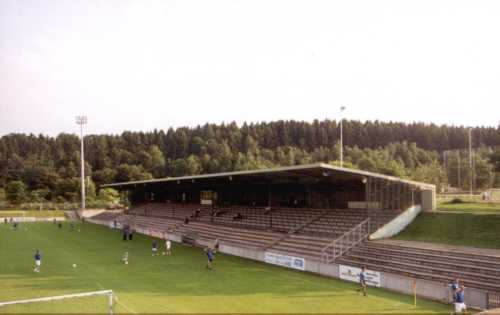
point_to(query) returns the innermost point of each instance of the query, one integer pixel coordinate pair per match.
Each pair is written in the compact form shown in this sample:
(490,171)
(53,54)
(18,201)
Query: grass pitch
(169,284)
(470,207)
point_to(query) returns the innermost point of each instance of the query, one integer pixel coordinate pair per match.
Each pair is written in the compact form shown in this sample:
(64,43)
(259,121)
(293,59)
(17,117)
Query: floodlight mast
(82,120)
(342,108)
(471,175)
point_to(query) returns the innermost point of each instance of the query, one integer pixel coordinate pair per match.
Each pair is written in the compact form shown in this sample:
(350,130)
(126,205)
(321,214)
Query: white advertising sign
(352,274)
(285,260)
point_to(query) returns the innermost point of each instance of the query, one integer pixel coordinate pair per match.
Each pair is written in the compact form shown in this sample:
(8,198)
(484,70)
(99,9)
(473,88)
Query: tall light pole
(470,163)
(82,120)
(342,108)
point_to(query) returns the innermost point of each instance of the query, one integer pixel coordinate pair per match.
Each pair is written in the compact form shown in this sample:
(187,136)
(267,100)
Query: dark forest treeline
(43,167)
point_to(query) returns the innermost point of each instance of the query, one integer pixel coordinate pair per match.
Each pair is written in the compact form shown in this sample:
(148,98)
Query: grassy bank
(467,229)
(31,213)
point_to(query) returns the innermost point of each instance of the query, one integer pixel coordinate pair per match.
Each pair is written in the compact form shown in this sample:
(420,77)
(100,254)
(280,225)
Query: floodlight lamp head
(81,120)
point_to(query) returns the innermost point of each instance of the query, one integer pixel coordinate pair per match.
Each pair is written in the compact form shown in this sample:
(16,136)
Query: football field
(168,284)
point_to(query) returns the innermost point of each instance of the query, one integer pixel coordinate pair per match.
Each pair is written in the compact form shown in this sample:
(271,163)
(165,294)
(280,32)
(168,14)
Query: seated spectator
(238,217)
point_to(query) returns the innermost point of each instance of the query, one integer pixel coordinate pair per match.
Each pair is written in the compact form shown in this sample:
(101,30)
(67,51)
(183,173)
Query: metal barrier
(493,299)
(348,240)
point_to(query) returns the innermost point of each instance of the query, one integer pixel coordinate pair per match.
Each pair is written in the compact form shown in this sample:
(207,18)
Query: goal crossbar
(108,293)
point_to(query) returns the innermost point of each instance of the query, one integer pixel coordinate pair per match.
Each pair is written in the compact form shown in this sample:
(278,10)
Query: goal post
(94,302)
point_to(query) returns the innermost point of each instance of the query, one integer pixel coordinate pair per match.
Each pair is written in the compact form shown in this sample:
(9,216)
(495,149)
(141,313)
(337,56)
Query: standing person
(125,232)
(38,261)
(210,258)
(168,246)
(362,281)
(131,234)
(216,245)
(460,306)
(154,248)
(454,286)
(59,225)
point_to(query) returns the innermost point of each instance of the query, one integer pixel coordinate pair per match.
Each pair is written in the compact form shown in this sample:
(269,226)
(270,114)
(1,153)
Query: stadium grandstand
(327,217)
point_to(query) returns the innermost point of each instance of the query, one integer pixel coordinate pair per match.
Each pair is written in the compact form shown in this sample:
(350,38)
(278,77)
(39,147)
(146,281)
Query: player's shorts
(154,249)
(210,259)
(460,307)
(38,262)
(362,282)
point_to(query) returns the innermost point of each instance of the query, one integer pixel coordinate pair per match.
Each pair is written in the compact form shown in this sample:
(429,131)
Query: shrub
(456,201)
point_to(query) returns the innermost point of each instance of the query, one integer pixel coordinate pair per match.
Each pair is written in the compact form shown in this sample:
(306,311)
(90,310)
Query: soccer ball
(126,263)
(163,253)
(74,265)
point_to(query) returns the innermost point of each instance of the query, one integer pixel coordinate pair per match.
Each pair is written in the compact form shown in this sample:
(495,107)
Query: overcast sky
(140,65)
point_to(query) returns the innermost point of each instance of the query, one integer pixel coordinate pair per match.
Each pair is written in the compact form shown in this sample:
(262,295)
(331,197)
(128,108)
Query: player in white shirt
(168,247)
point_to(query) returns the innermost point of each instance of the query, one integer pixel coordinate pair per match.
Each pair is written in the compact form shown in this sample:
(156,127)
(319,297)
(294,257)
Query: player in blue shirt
(460,300)
(38,261)
(210,257)
(362,281)
(454,286)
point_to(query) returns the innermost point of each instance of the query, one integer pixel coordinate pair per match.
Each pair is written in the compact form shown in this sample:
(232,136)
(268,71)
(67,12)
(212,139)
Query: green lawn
(31,213)
(479,230)
(476,207)
(176,284)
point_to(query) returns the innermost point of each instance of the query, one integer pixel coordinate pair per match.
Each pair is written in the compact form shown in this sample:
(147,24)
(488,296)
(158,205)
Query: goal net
(97,302)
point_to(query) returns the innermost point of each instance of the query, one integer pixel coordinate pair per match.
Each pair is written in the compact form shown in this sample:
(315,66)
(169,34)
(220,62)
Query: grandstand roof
(309,170)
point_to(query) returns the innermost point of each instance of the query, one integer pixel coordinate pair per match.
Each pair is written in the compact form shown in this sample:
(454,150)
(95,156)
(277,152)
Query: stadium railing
(348,240)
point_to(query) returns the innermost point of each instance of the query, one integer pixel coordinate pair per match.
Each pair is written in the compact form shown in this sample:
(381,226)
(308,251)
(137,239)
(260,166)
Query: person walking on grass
(210,258)
(168,247)
(362,281)
(460,306)
(154,248)
(454,286)
(38,261)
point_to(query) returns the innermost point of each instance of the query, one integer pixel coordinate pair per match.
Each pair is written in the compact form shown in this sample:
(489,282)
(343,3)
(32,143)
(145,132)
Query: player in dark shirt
(154,248)
(38,260)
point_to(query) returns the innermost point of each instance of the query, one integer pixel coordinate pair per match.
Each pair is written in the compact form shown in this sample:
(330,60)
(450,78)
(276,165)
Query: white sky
(139,65)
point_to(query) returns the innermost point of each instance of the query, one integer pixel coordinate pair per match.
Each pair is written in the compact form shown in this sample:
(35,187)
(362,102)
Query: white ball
(126,263)
(74,265)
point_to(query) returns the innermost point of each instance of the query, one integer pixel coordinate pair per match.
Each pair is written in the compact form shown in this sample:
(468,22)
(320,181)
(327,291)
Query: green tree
(109,195)
(431,173)
(3,196)
(16,192)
